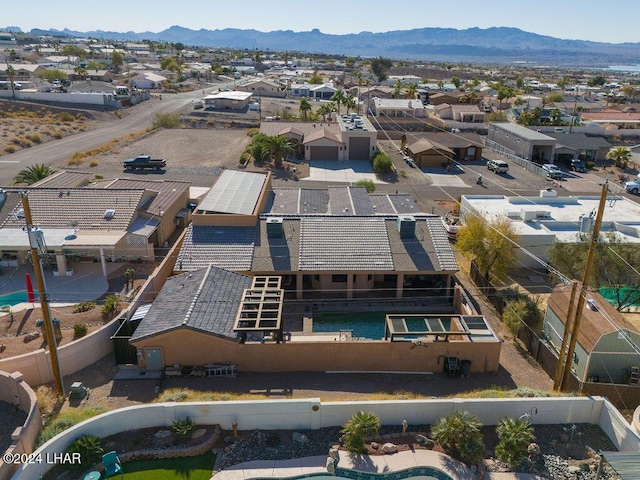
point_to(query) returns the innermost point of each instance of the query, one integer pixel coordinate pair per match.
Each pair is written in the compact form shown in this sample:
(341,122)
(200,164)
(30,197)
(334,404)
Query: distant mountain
(496,44)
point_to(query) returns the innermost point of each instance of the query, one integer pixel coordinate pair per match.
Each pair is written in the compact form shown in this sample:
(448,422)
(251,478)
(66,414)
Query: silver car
(553,171)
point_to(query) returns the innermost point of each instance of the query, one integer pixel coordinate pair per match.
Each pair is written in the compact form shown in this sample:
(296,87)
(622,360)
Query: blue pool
(363,324)
(15,298)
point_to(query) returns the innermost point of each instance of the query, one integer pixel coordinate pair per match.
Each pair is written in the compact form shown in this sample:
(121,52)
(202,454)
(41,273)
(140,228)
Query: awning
(140,312)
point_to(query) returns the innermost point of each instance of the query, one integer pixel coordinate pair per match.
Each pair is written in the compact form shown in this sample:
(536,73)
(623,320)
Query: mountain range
(475,45)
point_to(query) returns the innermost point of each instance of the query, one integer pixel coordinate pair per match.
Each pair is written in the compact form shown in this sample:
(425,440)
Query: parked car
(633,186)
(498,166)
(553,171)
(577,166)
(409,161)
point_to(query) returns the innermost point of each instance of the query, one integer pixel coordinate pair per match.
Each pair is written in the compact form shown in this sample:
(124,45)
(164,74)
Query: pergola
(261,308)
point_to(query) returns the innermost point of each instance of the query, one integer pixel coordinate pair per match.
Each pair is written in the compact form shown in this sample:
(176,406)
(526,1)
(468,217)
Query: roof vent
(407,226)
(109,214)
(275,227)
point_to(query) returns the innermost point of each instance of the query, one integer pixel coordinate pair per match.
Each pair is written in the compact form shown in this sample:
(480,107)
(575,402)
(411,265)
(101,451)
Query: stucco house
(263,88)
(235,100)
(148,80)
(432,149)
(397,107)
(460,113)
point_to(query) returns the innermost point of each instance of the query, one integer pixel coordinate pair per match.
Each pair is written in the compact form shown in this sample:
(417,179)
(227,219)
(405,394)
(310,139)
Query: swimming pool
(370,325)
(363,324)
(415,473)
(15,298)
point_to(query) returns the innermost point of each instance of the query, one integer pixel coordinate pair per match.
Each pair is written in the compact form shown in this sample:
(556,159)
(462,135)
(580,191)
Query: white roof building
(541,221)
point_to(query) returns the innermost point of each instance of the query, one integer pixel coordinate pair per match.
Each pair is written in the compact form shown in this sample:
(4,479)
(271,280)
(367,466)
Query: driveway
(342,171)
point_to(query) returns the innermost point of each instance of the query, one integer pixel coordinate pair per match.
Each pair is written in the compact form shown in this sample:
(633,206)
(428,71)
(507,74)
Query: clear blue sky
(612,21)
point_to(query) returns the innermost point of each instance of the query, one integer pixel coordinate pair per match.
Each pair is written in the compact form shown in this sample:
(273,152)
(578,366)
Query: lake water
(624,68)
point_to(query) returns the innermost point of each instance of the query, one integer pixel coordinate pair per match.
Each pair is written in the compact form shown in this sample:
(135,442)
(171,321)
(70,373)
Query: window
(339,278)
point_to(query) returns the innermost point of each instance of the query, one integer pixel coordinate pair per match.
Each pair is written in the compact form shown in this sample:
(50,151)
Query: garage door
(359,148)
(324,153)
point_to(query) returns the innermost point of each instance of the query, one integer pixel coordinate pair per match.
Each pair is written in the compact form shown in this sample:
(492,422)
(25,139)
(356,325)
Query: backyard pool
(363,324)
(15,298)
(370,325)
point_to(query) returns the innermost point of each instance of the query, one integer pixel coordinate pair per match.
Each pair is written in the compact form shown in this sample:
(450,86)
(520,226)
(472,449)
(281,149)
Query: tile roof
(204,300)
(57,208)
(166,192)
(230,248)
(64,179)
(344,243)
(277,254)
(272,129)
(319,134)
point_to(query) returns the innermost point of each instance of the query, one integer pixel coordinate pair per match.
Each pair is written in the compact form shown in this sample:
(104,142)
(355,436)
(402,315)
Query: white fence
(310,414)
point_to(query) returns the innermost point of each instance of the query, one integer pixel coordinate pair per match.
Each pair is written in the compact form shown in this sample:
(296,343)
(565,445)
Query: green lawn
(184,468)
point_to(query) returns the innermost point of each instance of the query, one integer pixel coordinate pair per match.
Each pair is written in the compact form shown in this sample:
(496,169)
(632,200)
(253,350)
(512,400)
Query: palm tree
(10,72)
(32,174)
(515,436)
(620,155)
(278,148)
(410,90)
(361,425)
(339,98)
(305,108)
(460,436)
(397,89)
(325,110)
(349,102)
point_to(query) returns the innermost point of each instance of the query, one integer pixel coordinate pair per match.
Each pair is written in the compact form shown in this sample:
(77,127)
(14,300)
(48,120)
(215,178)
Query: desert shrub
(10,149)
(58,135)
(99,177)
(253,131)
(66,117)
(382,163)
(93,163)
(89,447)
(79,331)
(361,425)
(111,304)
(460,436)
(21,141)
(166,120)
(590,165)
(48,400)
(515,436)
(84,307)
(75,161)
(67,419)
(367,184)
(183,428)
(35,138)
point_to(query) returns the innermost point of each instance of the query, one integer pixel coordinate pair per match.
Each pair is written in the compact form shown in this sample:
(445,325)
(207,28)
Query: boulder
(425,441)
(330,466)
(299,437)
(389,448)
(333,452)
(533,450)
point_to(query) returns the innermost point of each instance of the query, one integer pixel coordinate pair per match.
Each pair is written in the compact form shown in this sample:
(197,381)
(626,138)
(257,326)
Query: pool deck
(377,464)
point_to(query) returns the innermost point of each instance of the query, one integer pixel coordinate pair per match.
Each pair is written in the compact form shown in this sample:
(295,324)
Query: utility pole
(557,379)
(583,288)
(36,242)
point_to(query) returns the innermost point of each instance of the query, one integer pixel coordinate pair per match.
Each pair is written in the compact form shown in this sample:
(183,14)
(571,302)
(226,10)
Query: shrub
(183,428)
(10,148)
(93,163)
(89,447)
(382,163)
(67,419)
(57,135)
(79,331)
(515,436)
(84,307)
(367,184)
(35,138)
(66,117)
(99,177)
(590,165)
(361,425)
(48,400)
(166,120)
(111,304)
(460,436)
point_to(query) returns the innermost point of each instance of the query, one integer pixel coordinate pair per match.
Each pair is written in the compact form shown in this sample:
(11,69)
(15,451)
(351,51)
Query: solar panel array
(230,248)
(344,243)
(234,192)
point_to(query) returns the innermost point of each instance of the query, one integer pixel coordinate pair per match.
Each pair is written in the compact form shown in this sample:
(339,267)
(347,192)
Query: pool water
(15,298)
(368,325)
